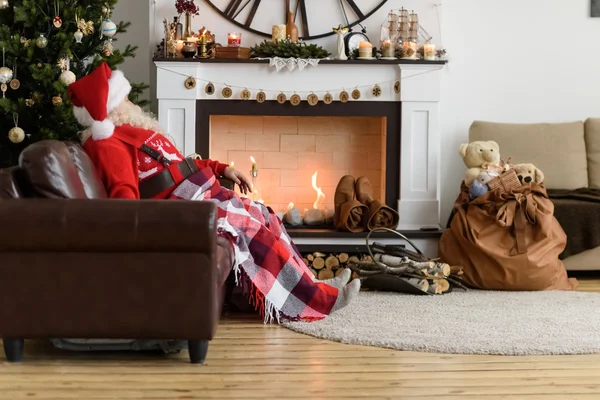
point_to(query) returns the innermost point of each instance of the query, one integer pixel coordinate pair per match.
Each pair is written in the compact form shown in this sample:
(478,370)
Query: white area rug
(473,322)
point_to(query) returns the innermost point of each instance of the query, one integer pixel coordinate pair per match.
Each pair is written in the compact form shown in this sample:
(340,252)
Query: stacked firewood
(327,266)
(429,276)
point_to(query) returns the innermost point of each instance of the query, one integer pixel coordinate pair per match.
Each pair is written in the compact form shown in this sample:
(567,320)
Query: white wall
(515,61)
(138,13)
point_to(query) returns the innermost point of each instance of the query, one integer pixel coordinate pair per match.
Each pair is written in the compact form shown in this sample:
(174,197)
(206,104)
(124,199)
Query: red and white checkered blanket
(267,263)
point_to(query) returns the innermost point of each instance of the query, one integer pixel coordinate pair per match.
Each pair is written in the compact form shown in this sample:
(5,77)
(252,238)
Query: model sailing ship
(403,31)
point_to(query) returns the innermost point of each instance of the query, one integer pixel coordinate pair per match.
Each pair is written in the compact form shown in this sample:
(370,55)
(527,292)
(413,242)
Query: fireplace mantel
(419,94)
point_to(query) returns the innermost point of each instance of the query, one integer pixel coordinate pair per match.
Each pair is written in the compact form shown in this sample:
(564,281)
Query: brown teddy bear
(528,173)
(480,156)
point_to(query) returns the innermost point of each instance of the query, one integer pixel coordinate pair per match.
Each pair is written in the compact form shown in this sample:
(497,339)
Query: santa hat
(97,95)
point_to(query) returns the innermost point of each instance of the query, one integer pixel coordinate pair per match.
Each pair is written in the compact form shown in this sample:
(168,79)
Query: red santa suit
(115,150)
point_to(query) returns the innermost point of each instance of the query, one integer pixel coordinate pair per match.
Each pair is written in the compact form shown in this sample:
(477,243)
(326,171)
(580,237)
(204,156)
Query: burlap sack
(507,241)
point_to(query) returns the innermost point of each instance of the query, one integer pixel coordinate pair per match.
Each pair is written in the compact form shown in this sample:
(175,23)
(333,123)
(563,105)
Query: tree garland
(288,49)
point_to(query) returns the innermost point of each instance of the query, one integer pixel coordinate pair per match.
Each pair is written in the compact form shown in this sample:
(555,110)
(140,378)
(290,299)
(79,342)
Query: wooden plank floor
(248,360)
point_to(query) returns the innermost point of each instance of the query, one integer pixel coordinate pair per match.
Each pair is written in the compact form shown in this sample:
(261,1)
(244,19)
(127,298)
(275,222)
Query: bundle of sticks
(326,266)
(429,276)
(426,274)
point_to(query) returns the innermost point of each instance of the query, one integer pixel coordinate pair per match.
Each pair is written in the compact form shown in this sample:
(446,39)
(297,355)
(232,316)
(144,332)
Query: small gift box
(506,182)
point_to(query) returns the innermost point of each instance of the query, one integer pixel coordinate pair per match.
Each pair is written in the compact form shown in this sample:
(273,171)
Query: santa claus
(136,160)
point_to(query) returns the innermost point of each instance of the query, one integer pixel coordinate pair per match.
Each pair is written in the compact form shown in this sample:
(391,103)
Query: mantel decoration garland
(374,90)
(288,49)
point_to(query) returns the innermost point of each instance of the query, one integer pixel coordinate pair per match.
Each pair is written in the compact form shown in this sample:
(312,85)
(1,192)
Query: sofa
(569,155)
(75,264)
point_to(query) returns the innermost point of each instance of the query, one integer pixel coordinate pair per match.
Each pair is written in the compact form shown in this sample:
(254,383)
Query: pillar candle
(365,49)
(429,51)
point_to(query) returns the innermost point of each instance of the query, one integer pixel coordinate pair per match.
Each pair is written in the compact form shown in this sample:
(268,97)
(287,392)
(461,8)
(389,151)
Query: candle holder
(254,176)
(429,52)
(388,50)
(203,48)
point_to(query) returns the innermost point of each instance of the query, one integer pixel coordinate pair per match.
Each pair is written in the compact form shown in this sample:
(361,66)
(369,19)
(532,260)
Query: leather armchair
(78,265)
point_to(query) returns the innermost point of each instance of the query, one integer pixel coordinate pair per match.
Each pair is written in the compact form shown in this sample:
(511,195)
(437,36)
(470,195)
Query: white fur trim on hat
(118,89)
(102,129)
(83,116)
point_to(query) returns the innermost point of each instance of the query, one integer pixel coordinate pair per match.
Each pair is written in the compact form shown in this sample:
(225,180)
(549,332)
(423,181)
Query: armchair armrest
(56,225)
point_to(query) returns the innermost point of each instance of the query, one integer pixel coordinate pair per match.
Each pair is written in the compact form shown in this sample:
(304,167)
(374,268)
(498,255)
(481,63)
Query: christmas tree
(46,45)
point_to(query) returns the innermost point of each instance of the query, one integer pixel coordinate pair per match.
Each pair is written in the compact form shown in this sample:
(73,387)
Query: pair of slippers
(357,209)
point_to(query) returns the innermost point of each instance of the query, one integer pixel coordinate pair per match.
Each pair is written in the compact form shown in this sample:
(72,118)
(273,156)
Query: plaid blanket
(267,264)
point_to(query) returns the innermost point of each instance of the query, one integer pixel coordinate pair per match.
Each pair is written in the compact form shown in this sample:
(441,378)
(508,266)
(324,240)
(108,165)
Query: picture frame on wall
(595,4)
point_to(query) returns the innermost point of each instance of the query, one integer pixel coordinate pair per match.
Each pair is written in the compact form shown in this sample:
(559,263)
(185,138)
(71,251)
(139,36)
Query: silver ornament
(16,135)
(67,77)
(6,75)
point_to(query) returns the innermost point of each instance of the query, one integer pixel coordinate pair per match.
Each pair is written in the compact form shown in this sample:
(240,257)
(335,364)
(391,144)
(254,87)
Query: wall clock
(314,18)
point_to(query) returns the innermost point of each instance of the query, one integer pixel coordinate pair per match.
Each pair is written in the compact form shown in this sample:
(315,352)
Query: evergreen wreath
(287,49)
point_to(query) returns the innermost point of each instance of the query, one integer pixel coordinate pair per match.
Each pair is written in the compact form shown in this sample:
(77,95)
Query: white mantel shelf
(420,87)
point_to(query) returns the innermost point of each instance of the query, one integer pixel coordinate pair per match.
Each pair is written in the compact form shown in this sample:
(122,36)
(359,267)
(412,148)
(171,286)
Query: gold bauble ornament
(67,77)
(328,98)
(3,4)
(6,75)
(41,42)
(281,98)
(57,100)
(16,135)
(227,92)
(295,99)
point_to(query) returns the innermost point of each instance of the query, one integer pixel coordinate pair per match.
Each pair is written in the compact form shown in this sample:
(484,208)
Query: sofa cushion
(592,143)
(61,170)
(558,149)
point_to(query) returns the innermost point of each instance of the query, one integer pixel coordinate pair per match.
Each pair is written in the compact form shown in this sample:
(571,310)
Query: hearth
(302,152)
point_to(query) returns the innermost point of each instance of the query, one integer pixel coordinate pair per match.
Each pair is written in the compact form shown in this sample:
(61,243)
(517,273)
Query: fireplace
(291,145)
(408,141)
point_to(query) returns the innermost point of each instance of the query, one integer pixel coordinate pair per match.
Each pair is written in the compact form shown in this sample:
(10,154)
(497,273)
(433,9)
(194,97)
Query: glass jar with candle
(388,50)
(234,39)
(429,52)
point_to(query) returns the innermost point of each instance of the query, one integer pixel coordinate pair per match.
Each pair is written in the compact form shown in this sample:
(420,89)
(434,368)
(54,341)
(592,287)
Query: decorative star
(62,64)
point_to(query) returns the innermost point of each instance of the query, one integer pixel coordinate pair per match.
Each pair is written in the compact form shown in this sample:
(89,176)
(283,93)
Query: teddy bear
(479,186)
(528,173)
(480,156)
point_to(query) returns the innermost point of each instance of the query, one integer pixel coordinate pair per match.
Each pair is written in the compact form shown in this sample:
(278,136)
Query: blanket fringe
(265,308)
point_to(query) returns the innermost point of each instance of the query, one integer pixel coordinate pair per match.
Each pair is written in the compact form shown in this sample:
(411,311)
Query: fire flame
(290,206)
(252,159)
(320,195)
(232,165)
